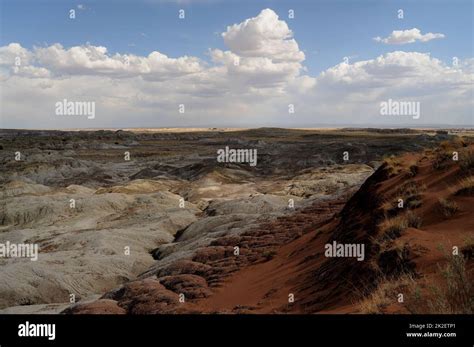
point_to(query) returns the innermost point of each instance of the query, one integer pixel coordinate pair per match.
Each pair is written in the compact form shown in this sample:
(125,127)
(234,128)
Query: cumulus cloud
(396,67)
(352,93)
(262,52)
(401,37)
(250,83)
(94,60)
(14,54)
(263,36)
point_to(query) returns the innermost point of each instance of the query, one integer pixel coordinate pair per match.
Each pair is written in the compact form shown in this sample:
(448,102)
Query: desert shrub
(413,170)
(465,187)
(393,165)
(453,144)
(454,295)
(410,188)
(414,202)
(466,160)
(391,160)
(411,193)
(393,227)
(385,293)
(390,208)
(468,248)
(413,220)
(446,145)
(447,207)
(269,255)
(442,159)
(457,295)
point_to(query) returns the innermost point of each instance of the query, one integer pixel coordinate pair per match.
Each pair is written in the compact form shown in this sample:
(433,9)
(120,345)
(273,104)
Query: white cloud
(251,83)
(13,53)
(400,37)
(394,68)
(94,60)
(355,90)
(263,36)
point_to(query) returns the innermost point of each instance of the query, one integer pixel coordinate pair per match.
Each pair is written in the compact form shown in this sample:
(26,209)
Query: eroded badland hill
(152,222)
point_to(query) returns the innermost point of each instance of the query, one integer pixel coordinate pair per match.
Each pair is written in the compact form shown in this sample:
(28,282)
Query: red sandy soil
(287,256)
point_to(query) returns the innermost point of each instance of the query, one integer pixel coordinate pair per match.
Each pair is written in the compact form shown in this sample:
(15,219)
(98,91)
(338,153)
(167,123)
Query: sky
(236,63)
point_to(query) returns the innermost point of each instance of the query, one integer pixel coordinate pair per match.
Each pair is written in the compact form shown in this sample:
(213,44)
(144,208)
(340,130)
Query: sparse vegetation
(453,144)
(413,221)
(466,160)
(465,187)
(413,169)
(457,296)
(269,255)
(385,294)
(443,159)
(460,142)
(447,207)
(445,152)
(468,248)
(393,227)
(414,203)
(411,193)
(411,188)
(446,145)
(393,165)
(390,208)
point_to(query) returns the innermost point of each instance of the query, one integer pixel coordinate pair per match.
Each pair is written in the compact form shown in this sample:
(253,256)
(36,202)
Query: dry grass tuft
(466,160)
(392,228)
(454,296)
(443,159)
(413,169)
(385,294)
(447,207)
(465,187)
(457,296)
(413,220)
(393,165)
